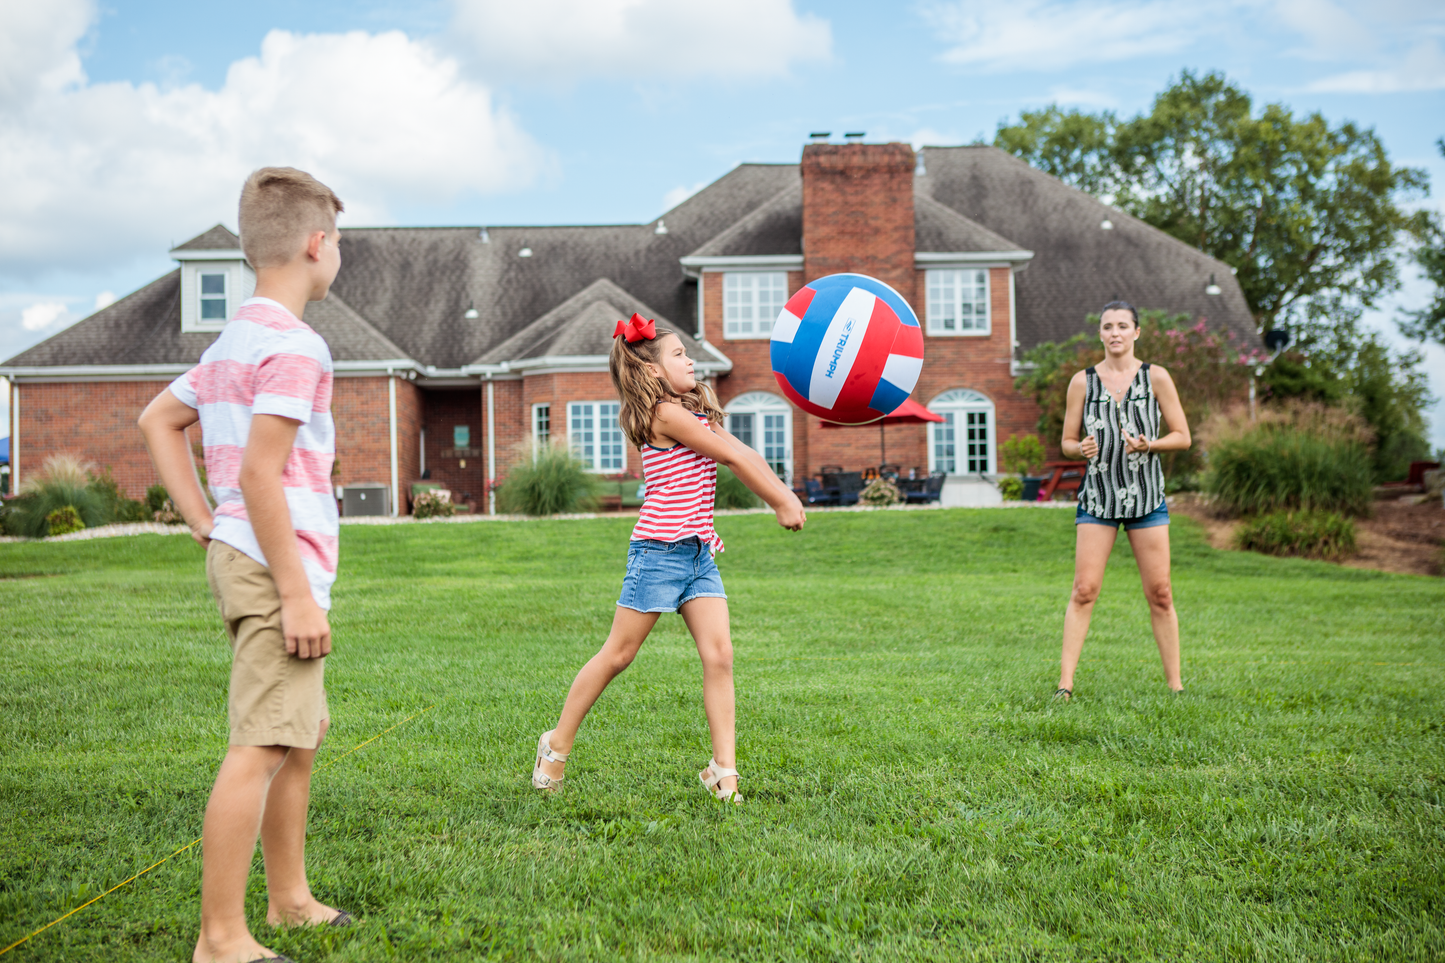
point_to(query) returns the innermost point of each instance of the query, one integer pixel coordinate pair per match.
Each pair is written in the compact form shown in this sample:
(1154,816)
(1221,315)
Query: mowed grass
(913,792)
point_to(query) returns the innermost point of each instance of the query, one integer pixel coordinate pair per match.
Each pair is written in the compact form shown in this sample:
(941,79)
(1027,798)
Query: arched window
(764,422)
(963,442)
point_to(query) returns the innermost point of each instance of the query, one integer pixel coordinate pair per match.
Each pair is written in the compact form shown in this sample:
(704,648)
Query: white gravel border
(156,528)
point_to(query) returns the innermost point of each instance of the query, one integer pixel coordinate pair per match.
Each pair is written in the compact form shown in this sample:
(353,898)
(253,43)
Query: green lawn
(913,793)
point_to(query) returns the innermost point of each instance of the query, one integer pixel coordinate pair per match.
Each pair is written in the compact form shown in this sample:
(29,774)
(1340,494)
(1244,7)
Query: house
(456,348)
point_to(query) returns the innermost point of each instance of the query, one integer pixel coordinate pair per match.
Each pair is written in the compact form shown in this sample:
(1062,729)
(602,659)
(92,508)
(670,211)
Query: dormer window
(213,297)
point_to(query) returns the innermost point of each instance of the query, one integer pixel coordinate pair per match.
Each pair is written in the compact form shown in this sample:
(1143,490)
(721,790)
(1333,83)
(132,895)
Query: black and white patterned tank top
(1121,483)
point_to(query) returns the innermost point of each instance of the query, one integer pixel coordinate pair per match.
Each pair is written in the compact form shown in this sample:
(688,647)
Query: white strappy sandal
(715,774)
(540,780)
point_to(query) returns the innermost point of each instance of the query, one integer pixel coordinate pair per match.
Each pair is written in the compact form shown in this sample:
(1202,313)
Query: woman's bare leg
(1151,549)
(707,620)
(629,630)
(1092,545)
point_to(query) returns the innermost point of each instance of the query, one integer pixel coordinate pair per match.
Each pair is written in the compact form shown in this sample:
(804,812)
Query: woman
(1115,408)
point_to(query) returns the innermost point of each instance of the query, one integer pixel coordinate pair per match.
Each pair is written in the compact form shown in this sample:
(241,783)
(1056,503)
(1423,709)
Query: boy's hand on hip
(202,532)
(308,634)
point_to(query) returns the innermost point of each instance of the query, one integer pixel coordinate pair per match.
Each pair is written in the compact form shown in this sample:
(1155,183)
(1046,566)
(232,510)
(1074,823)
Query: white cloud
(104,300)
(1422,68)
(643,40)
(40,316)
(93,174)
(1047,35)
(680,193)
(929,137)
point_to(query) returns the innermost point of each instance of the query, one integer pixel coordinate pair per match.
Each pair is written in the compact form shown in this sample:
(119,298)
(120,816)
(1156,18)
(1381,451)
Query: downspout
(395,476)
(491,448)
(14,437)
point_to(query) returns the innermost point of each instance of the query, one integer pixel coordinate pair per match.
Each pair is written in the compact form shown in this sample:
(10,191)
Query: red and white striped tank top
(681,485)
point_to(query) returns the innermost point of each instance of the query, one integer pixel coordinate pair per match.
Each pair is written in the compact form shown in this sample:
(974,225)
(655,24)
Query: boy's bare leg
(283,843)
(629,630)
(707,620)
(233,820)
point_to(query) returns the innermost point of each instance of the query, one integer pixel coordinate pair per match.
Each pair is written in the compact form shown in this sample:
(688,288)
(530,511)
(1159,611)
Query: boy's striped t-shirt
(267,361)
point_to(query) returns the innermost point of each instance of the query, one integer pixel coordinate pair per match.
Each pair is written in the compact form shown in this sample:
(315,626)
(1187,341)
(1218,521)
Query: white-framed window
(595,435)
(541,427)
(958,302)
(213,295)
(212,291)
(963,443)
(764,422)
(751,302)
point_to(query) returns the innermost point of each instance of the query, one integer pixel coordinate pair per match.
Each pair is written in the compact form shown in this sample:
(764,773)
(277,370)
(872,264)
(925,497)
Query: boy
(262,393)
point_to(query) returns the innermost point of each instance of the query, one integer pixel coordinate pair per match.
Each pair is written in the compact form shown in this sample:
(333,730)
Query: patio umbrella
(908,413)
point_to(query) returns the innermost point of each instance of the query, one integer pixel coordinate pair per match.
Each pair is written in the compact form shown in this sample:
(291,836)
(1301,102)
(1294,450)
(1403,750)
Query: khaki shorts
(276,699)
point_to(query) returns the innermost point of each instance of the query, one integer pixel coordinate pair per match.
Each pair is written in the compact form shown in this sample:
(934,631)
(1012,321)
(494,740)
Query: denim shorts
(1159,516)
(665,576)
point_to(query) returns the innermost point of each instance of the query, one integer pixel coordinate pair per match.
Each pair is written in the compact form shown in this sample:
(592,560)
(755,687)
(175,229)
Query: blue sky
(128,126)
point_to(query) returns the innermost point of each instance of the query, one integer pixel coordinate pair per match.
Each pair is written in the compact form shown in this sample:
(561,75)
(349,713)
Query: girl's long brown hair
(641,391)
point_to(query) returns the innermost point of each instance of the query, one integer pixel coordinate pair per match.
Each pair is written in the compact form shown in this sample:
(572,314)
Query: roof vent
(854,137)
(525,252)
(1106,225)
(820,136)
(1212,288)
(661,227)
(484,236)
(470,312)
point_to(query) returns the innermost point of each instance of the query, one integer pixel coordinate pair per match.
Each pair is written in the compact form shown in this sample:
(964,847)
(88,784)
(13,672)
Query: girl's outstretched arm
(677,423)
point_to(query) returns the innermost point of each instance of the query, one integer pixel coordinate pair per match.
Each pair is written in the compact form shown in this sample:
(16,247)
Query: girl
(1115,408)
(676,422)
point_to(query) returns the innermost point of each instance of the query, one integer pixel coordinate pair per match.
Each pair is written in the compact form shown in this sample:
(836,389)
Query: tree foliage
(1428,323)
(1300,210)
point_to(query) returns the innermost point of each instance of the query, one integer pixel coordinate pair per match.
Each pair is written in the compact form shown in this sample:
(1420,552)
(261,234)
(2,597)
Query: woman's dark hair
(1121,306)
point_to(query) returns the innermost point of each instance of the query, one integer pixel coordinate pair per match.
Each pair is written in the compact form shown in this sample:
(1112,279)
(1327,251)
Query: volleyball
(847,348)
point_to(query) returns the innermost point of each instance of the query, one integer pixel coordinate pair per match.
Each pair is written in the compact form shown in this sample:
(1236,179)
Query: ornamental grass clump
(732,493)
(549,482)
(62,482)
(1325,535)
(1296,458)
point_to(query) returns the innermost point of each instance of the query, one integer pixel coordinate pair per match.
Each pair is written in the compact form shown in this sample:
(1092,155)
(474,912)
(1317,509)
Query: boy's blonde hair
(641,390)
(280,208)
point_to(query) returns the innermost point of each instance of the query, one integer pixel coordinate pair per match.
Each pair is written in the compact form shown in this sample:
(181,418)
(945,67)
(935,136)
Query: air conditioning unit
(373,499)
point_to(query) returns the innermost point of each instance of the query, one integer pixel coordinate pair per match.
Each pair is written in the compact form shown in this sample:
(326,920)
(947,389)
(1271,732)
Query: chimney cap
(855,136)
(820,135)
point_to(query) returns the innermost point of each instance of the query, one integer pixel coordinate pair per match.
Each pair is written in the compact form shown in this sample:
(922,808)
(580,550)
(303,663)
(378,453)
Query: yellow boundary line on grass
(193,842)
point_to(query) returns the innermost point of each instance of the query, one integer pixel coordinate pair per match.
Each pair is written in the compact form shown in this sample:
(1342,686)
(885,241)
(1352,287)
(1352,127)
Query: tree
(1301,211)
(1428,324)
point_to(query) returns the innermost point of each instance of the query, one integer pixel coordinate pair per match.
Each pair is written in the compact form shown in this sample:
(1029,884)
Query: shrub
(732,493)
(158,499)
(1012,489)
(118,507)
(433,504)
(63,521)
(1326,535)
(551,483)
(63,481)
(880,492)
(1023,454)
(1303,457)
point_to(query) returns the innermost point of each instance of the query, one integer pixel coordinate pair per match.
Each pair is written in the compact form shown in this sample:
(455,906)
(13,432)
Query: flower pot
(1032,484)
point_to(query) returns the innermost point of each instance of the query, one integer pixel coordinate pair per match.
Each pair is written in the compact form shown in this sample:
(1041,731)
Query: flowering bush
(433,504)
(880,492)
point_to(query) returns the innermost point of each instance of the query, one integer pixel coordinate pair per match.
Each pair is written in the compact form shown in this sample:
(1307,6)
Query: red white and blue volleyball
(847,348)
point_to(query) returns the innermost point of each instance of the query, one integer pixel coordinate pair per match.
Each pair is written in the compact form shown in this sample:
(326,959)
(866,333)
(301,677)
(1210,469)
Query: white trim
(131,372)
(211,254)
(711,264)
(959,401)
(961,283)
(765,318)
(240,285)
(971,258)
(491,448)
(537,442)
(14,438)
(598,428)
(701,329)
(1013,325)
(395,475)
(555,363)
(759,404)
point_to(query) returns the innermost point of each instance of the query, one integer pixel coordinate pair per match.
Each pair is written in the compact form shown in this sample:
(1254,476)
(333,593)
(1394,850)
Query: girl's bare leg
(1092,545)
(1151,549)
(707,620)
(629,630)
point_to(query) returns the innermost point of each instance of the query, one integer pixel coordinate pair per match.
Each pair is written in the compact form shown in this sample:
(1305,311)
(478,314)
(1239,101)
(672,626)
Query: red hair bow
(636,328)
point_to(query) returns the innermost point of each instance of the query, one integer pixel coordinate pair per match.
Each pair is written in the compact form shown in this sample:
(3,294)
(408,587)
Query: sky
(127,127)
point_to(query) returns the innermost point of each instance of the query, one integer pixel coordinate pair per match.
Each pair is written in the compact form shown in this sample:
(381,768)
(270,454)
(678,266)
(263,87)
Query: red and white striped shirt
(681,486)
(267,361)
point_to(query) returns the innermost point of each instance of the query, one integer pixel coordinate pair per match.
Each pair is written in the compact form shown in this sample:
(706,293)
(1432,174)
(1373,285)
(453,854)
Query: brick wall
(858,212)
(557,390)
(93,421)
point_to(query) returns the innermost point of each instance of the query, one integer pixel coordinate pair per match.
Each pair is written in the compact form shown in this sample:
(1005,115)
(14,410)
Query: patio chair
(831,470)
(929,489)
(850,483)
(817,494)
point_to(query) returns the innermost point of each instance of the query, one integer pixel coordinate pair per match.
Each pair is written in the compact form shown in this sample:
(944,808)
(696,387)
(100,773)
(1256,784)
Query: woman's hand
(1137,444)
(1089,447)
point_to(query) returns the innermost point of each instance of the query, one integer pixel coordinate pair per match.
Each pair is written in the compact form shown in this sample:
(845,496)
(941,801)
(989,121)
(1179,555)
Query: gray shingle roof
(582,326)
(218,238)
(941,229)
(1077,266)
(774,227)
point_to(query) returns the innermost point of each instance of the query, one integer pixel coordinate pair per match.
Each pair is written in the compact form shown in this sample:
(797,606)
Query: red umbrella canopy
(908,413)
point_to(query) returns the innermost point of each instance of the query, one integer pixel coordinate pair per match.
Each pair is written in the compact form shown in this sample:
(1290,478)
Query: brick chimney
(858,212)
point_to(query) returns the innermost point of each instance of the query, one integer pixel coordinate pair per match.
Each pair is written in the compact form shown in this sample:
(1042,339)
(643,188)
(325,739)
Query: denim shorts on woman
(1159,516)
(665,576)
